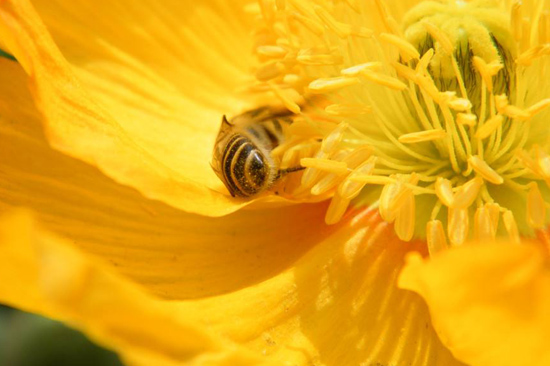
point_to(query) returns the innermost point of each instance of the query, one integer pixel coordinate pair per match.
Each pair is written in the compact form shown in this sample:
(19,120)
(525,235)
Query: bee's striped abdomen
(244,167)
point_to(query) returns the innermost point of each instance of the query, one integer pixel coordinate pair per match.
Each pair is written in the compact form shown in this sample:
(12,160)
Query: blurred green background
(30,340)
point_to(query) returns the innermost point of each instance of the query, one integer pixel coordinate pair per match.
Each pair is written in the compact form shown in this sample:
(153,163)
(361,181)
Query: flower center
(437,115)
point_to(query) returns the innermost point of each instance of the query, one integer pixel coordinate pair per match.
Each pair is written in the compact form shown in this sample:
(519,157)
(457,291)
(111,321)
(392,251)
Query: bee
(242,156)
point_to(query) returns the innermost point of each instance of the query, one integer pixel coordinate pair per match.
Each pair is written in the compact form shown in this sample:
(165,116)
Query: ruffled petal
(489,303)
(143,91)
(338,306)
(171,253)
(338,302)
(44,274)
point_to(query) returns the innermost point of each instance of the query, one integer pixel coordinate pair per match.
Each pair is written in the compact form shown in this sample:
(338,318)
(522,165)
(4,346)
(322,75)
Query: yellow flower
(133,240)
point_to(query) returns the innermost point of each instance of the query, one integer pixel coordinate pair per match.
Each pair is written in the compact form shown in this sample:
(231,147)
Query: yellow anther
(350,188)
(325,184)
(290,104)
(494,213)
(291,79)
(406,50)
(400,195)
(357,156)
(357,69)
(330,180)
(289,157)
(327,165)
(330,142)
(501,102)
(489,127)
(405,218)
(487,70)
(303,8)
(483,226)
(528,162)
(425,61)
(511,226)
(384,80)
(336,209)
(446,97)
(538,107)
(467,193)
(514,112)
(252,8)
(311,175)
(440,37)
(484,170)
(386,197)
(268,11)
(404,71)
(373,179)
(543,162)
(331,84)
(494,67)
(283,42)
(422,136)
(320,60)
(389,22)
(435,236)
(458,225)
(466,119)
(536,209)
(354,5)
(342,30)
(270,71)
(361,32)
(272,51)
(460,104)
(444,191)
(527,57)
(301,128)
(511,111)
(312,25)
(347,109)
(428,86)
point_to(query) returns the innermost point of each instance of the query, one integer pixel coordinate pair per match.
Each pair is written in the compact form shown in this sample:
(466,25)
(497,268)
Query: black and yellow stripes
(245,169)
(242,153)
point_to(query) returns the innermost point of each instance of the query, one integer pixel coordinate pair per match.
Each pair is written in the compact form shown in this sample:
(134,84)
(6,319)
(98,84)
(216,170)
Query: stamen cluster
(442,114)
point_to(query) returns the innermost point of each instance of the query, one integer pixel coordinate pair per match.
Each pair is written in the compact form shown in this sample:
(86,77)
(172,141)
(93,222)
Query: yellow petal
(171,253)
(137,90)
(489,302)
(44,274)
(338,306)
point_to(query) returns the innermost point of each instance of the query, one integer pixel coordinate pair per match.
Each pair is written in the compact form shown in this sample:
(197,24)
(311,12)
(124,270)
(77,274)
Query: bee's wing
(259,115)
(252,116)
(219,145)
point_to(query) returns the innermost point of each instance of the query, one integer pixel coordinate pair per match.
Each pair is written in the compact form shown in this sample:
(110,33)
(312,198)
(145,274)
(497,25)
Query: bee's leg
(283,172)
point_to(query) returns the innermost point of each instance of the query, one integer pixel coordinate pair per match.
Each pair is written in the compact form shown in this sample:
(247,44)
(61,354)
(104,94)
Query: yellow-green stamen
(446,104)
